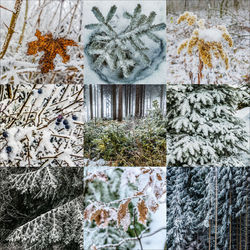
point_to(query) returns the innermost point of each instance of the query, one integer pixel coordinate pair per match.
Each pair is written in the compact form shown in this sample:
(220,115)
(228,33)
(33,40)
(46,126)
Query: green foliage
(122,50)
(129,143)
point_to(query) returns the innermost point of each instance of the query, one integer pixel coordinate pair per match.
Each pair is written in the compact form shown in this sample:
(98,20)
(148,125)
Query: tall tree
(91,101)
(138,95)
(120,101)
(114,101)
(102,104)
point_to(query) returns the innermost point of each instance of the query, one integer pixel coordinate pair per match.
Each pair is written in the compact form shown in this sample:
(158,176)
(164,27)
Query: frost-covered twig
(11,28)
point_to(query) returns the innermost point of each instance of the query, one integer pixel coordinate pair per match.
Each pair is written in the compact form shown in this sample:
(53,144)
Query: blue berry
(8,149)
(39,91)
(57,123)
(65,122)
(5,134)
(67,126)
(59,120)
(74,117)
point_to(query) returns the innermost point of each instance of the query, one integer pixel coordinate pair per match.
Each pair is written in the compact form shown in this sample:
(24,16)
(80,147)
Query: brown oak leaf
(143,211)
(101,217)
(123,215)
(51,48)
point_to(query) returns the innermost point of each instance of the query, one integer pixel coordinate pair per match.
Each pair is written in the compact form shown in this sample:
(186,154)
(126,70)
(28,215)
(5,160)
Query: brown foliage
(123,216)
(143,211)
(51,48)
(101,217)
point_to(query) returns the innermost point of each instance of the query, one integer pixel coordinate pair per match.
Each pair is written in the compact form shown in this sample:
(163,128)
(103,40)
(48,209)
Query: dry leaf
(93,247)
(143,211)
(88,211)
(51,48)
(152,205)
(101,217)
(123,215)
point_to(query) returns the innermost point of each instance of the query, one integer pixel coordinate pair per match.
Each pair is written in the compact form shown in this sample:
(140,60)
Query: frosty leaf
(143,211)
(98,14)
(97,176)
(127,15)
(151,18)
(157,27)
(101,217)
(137,10)
(93,247)
(153,37)
(111,13)
(152,205)
(123,215)
(88,211)
(92,26)
(51,48)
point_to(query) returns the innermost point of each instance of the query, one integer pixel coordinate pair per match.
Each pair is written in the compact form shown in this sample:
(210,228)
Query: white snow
(210,35)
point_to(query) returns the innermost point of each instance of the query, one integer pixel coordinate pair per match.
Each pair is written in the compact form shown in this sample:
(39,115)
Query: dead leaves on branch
(51,47)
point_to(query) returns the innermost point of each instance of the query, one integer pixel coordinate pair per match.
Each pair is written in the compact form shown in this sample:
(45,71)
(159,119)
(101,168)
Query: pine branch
(115,48)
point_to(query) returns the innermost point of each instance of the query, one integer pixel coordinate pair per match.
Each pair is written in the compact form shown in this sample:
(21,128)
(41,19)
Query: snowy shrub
(41,125)
(125,54)
(122,205)
(202,126)
(207,42)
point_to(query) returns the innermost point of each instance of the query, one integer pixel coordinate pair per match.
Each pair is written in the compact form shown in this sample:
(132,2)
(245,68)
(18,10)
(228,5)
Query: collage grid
(129,121)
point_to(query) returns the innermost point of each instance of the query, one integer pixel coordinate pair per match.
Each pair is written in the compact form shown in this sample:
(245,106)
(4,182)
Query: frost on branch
(50,202)
(202,126)
(126,53)
(41,125)
(122,206)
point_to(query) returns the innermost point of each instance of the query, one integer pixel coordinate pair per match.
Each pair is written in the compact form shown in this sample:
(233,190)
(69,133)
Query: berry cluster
(65,121)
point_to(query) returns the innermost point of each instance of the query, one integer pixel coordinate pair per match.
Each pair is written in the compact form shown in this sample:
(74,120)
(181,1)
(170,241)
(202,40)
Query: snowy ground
(179,66)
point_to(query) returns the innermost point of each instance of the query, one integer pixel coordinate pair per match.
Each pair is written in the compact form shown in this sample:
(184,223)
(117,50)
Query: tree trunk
(126,100)
(137,101)
(230,225)
(209,235)
(216,208)
(161,100)
(120,103)
(240,246)
(102,104)
(246,225)
(141,100)
(114,101)
(91,101)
